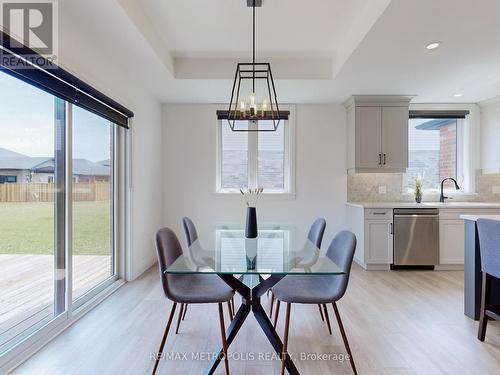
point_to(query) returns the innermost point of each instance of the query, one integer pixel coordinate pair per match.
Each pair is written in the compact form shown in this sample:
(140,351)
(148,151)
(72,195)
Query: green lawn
(28,228)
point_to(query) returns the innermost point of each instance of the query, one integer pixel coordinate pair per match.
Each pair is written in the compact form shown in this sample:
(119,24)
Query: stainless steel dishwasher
(416,237)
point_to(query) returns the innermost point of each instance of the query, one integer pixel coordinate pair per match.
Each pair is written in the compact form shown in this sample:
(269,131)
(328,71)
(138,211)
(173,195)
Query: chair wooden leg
(327,317)
(164,339)
(223,335)
(230,310)
(232,306)
(179,319)
(285,338)
(185,311)
(277,314)
(483,318)
(344,338)
(272,305)
(321,313)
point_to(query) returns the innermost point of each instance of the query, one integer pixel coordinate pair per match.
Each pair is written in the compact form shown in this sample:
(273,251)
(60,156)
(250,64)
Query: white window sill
(264,195)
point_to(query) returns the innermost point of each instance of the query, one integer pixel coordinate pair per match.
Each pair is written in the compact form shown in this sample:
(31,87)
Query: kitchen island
(472,268)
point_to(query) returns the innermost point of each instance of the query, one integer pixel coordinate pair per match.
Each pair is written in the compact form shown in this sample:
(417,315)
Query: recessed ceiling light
(433,45)
(458,95)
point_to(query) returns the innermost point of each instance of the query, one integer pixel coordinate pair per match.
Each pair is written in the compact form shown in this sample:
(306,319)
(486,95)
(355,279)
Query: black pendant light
(245,105)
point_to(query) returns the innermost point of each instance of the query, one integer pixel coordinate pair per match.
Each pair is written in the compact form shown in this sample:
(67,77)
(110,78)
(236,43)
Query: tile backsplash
(388,187)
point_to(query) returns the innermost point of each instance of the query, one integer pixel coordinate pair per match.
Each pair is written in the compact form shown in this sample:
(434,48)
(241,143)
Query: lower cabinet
(373,228)
(452,233)
(451,241)
(379,242)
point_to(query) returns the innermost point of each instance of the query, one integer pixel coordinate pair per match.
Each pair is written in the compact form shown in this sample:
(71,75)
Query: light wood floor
(397,323)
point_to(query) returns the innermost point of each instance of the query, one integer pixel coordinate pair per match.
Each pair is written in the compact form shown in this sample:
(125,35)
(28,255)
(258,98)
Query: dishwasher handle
(418,215)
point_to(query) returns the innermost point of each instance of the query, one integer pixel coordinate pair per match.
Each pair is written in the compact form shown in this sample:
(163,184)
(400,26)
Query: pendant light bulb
(253,107)
(264,104)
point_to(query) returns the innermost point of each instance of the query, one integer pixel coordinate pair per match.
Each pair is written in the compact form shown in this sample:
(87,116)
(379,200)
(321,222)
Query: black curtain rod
(60,82)
(438,114)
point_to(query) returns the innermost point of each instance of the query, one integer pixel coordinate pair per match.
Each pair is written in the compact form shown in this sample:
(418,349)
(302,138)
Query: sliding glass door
(27,209)
(92,201)
(57,212)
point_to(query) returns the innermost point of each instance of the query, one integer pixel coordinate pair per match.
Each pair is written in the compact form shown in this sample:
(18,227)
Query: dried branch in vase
(252,196)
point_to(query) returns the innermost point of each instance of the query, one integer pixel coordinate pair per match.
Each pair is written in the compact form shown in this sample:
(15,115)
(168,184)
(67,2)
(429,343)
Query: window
(435,151)
(271,159)
(247,160)
(8,179)
(234,157)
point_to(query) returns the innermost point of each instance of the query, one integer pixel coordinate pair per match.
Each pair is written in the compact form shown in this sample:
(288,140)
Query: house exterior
(447,145)
(87,171)
(19,168)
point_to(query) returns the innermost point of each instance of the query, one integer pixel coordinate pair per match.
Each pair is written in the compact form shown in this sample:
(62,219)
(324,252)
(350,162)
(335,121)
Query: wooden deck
(27,288)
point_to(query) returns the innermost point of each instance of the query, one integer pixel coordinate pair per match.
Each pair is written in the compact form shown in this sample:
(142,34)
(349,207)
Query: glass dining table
(251,267)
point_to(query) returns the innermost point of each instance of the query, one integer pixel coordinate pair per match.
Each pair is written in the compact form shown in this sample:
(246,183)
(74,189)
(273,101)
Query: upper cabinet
(377,133)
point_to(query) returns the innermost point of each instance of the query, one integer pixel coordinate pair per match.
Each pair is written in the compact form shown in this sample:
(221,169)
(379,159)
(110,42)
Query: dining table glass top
(276,250)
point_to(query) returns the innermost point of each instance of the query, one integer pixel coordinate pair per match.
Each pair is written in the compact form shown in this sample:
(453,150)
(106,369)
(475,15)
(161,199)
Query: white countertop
(425,204)
(475,217)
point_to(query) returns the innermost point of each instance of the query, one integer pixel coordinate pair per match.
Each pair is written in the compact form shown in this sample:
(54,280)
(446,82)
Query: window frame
(289,157)
(467,149)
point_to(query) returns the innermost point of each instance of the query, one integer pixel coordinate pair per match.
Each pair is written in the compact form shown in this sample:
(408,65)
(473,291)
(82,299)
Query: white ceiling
(322,50)
(392,58)
(223,28)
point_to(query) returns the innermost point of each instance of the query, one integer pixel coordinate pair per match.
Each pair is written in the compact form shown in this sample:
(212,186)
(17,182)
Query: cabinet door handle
(391,225)
(385,157)
(379,213)
(379,159)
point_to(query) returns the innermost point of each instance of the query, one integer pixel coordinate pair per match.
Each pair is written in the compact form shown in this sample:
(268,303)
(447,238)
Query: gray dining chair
(315,236)
(321,290)
(489,245)
(191,237)
(186,289)
(189,230)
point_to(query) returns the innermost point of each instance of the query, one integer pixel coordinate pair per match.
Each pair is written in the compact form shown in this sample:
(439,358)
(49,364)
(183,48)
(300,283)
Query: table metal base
(251,303)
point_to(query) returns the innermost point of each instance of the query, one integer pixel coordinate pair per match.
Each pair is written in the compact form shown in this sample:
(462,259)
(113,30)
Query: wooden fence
(41,192)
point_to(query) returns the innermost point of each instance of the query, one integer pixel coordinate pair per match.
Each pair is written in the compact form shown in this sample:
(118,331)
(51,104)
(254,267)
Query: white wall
(96,56)
(490,135)
(189,151)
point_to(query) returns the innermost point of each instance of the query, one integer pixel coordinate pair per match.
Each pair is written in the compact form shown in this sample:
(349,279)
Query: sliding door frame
(69,207)
(60,213)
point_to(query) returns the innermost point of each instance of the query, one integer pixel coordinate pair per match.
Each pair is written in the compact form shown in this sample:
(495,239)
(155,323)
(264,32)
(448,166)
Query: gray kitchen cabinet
(452,232)
(395,138)
(379,241)
(368,137)
(451,241)
(377,136)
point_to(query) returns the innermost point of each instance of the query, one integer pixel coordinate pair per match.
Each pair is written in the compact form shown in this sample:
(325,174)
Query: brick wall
(448,151)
